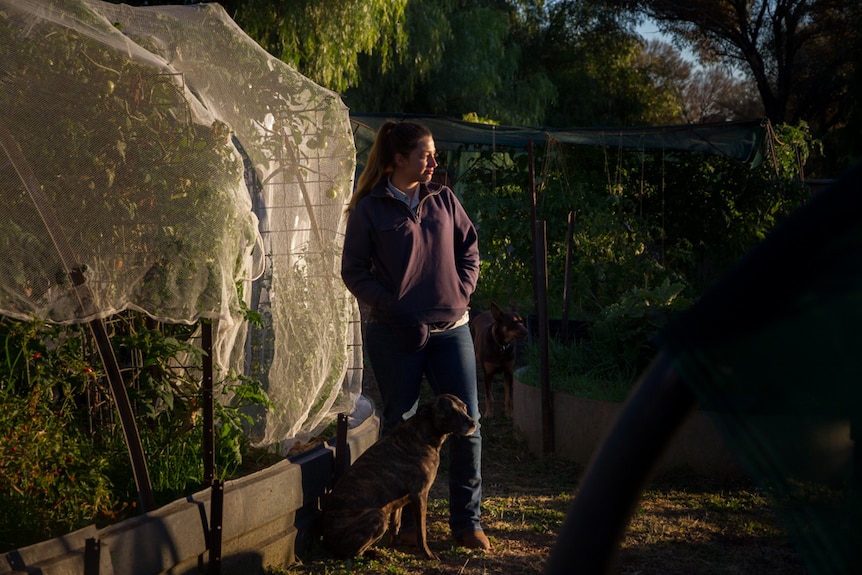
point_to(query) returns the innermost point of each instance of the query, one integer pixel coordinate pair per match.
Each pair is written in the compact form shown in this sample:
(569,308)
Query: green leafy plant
(637,254)
(63,458)
(147,193)
(52,477)
(640,216)
(623,333)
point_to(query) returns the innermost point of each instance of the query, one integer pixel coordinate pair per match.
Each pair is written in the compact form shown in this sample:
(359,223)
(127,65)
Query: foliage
(637,254)
(561,63)
(428,28)
(52,478)
(580,62)
(323,39)
(63,458)
(784,44)
(607,362)
(129,163)
(802,55)
(794,146)
(598,73)
(632,216)
(167,398)
(500,213)
(706,92)
(480,49)
(622,336)
(611,240)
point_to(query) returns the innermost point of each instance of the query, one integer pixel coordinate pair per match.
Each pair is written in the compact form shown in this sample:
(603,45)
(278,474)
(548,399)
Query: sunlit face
(419,166)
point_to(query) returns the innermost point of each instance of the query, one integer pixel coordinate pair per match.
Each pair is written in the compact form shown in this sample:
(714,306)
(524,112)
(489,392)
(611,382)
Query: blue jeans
(448,362)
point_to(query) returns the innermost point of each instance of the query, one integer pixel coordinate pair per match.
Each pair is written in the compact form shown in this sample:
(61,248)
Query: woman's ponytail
(392,138)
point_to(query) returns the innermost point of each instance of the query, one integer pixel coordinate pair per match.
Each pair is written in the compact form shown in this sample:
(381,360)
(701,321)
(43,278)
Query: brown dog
(399,469)
(494,335)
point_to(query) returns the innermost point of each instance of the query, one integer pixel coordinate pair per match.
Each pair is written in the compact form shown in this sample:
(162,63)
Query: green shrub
(640,217)
(607,363)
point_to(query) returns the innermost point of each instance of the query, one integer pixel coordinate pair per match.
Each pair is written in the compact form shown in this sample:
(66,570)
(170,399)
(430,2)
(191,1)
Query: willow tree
(323,38)
(425,31)
(460,57)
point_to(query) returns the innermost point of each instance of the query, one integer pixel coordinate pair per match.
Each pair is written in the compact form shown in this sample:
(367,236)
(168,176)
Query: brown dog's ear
(495,310)
(424,407)
(448,398)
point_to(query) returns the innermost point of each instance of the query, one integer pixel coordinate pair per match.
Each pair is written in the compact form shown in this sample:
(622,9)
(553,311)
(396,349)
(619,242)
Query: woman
(411,256)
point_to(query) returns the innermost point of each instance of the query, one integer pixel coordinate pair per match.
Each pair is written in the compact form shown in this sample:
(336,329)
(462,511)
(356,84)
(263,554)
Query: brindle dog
(397,470)
(494,335)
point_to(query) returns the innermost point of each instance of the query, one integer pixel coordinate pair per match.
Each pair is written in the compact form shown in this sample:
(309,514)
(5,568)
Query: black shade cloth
(742,140)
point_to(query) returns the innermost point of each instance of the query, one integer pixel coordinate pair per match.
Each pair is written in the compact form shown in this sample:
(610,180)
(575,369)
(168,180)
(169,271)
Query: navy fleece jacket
(411,268)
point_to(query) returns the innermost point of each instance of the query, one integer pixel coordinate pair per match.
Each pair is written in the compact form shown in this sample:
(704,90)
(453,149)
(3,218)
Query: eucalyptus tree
(800,54)
(707,93)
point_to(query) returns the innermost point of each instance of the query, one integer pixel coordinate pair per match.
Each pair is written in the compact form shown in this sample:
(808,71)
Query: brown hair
(392,138)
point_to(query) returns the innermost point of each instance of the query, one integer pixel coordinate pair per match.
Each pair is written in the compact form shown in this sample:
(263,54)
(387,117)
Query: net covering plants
(189,176)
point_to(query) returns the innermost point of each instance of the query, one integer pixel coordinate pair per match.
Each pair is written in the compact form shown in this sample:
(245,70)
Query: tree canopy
(521,62)
(323,38)
(517,62)
(803,56)
(579,62)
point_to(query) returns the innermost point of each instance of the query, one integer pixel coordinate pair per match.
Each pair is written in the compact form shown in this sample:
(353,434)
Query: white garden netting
(188,174)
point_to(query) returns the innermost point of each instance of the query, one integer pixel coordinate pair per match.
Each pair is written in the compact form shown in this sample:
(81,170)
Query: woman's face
(418,167)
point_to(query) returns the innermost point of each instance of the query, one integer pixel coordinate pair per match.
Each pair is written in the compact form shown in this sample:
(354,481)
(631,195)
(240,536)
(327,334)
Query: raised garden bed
(267,517)
(822,449)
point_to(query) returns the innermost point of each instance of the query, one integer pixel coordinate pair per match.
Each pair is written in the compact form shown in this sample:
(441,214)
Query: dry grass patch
(680,527)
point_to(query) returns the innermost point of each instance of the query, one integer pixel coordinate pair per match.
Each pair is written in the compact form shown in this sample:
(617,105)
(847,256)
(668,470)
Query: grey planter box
(267,516)
(580,426)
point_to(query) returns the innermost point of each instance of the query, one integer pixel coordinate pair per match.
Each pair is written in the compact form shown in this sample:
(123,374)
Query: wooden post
(541,268)
(208,405)
(540,294)
(567,278)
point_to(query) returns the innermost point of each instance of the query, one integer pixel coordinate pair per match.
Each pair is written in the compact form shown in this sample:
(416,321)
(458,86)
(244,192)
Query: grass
(614,390)
(577,369)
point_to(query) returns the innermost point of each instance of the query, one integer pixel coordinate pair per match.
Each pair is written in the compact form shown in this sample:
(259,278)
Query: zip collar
(429,189)
(381,190)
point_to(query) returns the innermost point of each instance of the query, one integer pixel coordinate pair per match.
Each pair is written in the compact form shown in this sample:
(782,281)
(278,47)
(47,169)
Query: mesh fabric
(190,175)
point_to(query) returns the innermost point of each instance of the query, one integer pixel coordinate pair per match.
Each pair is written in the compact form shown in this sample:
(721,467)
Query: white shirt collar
(412,203)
